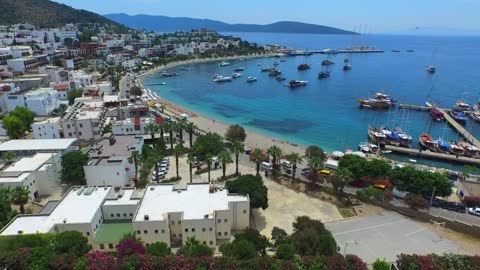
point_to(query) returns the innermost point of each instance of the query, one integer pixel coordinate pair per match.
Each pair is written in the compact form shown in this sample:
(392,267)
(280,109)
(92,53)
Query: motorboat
(436,114)
(251,79)
(458,115)
(410,50)
(224,64)
(297,83)
(470,150)
(168,74)
(375,103)
(462,105)
(396,51)
(222,79)
(266,69)
(323,74)
(280,78)
(368,147)
(327,62)
(238,69)
(274,72)
(346,60)
(283,60)
(347,67)
(431,69)
(303,67)
(442,146)
(377,136)
(384,97)
(236,75)
(475,116)
(456,149)
(426,142)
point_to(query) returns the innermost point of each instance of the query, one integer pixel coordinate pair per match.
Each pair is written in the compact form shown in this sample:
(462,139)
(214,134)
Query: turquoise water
(326,112)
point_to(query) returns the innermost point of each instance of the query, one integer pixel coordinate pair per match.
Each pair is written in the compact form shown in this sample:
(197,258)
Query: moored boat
(375,103)
(297,83)
(238,69)
(274,72)
(266,69)
(377,136)
(276,63)
(224,64)
(280,78)
(442,146)
(303,67)
(431,69)
(427,142)
(475,116)
(168,74)
(396,51)
(327,62)
(462,105)
(456,149)
(347,67)
(470,150)
(323,74)
(222,79)
(436,114)
(458,115)
(251,79)
(236,75)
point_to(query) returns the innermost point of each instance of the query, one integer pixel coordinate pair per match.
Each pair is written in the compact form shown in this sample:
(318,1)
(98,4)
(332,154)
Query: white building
(80,79)
(47,129)
(109,161)
(131,126)
(42,101)
(84,120)
(39,173)
(23,64)
(61,146)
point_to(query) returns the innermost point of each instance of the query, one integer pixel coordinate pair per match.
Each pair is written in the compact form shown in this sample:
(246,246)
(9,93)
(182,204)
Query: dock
(413,107)
(460,129)
(433,155)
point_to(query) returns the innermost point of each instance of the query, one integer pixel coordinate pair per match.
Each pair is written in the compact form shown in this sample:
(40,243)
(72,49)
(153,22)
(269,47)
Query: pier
(460,129)
(413,107)
(434,155)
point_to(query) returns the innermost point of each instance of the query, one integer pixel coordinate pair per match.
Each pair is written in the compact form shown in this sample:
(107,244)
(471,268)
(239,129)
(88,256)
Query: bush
(416,201)
(471,201)
(381,265)
(355,263)
(285,251)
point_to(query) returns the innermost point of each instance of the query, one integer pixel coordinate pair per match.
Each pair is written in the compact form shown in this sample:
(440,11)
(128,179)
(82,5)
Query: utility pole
(431,199)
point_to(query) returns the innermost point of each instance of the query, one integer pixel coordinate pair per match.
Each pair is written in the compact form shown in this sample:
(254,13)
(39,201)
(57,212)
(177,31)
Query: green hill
(45,13)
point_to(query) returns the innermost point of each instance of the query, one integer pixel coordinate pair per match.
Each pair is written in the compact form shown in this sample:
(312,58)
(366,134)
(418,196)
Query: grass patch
(347,212)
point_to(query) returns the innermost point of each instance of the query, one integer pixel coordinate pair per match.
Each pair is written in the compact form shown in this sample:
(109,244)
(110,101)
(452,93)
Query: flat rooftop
(195,201)
(121,147)
(29,164)
(73,208)
(52,120)
(129,197)
(37,144)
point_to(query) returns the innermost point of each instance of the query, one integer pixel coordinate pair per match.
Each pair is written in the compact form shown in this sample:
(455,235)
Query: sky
(376,16)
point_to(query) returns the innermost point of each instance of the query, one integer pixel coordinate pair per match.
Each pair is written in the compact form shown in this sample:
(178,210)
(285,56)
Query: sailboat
(324,73)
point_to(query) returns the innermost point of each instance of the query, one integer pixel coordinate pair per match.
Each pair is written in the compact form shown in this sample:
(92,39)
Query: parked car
(453,206)
(159,176)
(248,151)
(227,144)
(305,171)
(325,173)
(474,211)
(286,164)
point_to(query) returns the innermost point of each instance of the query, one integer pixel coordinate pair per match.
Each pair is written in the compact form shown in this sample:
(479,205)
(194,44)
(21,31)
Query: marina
(434,155)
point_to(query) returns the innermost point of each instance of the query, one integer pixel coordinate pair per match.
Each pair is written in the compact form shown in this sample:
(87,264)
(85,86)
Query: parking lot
(388,234)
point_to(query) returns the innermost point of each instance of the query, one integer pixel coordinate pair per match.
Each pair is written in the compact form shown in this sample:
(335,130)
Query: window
(147,244)
(193,229)
(145,231)
(180,235)
(179,222)
(80,125)
(88,233)
(186,229)
(131,214)
(110,246)
(204,242)
(156,231)
(118,214)
(203,229)
(211,243)
(174,235)
(70,134)
(163,231)
(139,232)
(219,234)
(68,125)
(244,211)
(80,133)
(225,220)
(102,246)
(210,229)
(219,221)
(112,215)
(226,233)
(125,214)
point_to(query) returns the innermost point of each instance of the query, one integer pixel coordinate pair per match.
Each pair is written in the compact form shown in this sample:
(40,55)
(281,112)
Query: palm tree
(225,158)
(169,127)
(178,151)
(190,127)
(191,159)
(258,157)
(276,153)
(179,128)
(9,157)
(20,196)
(344,176)
(135,158)
(237,148)
(209,164)
(294,158)
(152,128)
(314,163)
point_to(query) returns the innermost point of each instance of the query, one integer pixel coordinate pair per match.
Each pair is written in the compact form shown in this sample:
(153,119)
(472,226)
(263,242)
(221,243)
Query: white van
(266,166)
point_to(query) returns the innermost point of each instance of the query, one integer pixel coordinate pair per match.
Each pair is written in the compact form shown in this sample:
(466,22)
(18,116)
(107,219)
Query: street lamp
(348,243)
(431,199)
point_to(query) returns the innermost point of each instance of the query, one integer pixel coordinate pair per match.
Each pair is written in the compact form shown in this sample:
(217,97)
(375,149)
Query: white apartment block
(84,120)
(131,126)
(39,173)
(80,79)
(29,147)
(109,161)
(160,213)
(42,101)
(47,129)
(23,64)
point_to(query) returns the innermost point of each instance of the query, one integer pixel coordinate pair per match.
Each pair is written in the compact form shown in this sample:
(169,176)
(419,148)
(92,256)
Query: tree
(130,245)
(193,248)
(14,126)
(178,150)
(169,127)
(416,201)
(179,126)
(285,251)
(72,167)
(25,115)
(259,241)
(341,179)
(355,263)
(311,238)
(135,158)
(208,159)
(72,242)
(6,213)
(314,163)
(152,128)
(240,249)
(136,91)
(9,157)
(191,159)
(315,151)
(279,236)
(210,143)
(258,157)
(159,249)
(20,196)
(295,159)
(276,153)
(237,148)
(420,182)
(225,158)
(190,127)
(73,94)
(253,187)
(380,265)
(235,133)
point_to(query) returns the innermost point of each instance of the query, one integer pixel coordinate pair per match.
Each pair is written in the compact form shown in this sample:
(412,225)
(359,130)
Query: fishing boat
(470,150)
(377,136)
(297,83)
(442,146)
(327,62)
(238,69)
(462,105)
(280,78)
(431,69)
(222,79)
(456,149)
(436,114)
(236,75)
(426,142)
(475,116)
(458,115)
(224,64)
(274,72)
(303,67)
(323,74)
(347,67)
(251,79)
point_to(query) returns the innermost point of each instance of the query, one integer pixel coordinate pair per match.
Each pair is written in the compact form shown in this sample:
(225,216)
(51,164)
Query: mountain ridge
(161,23)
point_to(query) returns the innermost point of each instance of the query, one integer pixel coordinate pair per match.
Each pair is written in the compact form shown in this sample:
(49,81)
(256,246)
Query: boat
(280,78)
(436,114)
(410,50)
(384,97)
(462,105)
(375,103)
(251,79)
(426,142)
(412,160)
(224,64)
(458,115)
(222,79)
(431,69)
(276,63)
(327,62)
(303,67)
(397,137)
(456,149)
(238,69)
(368,148)
(475,116)
(347,67)
(283,60)
(274,72)
(470,150)
(396,51)
(442,146)
(346,60)
(266,69)
(168,74)
(323,74)
(429,104)
(377,136)
(236,75)
(297,83)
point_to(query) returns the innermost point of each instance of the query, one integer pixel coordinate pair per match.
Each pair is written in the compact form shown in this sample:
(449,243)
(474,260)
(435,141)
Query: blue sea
(326,112)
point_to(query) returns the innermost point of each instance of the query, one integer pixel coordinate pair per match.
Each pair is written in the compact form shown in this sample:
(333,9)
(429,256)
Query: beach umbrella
(338,154)
(360,154)
(348,151)
(185,115)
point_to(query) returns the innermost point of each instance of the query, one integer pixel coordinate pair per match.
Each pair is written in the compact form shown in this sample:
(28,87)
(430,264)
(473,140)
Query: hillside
(45,13)
(171,24)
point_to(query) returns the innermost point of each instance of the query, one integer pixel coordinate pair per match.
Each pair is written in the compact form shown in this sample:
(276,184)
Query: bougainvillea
(129,246)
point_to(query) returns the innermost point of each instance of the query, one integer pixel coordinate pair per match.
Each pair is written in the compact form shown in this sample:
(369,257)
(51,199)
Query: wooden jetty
(460,129)
(413,107)
(434,155)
